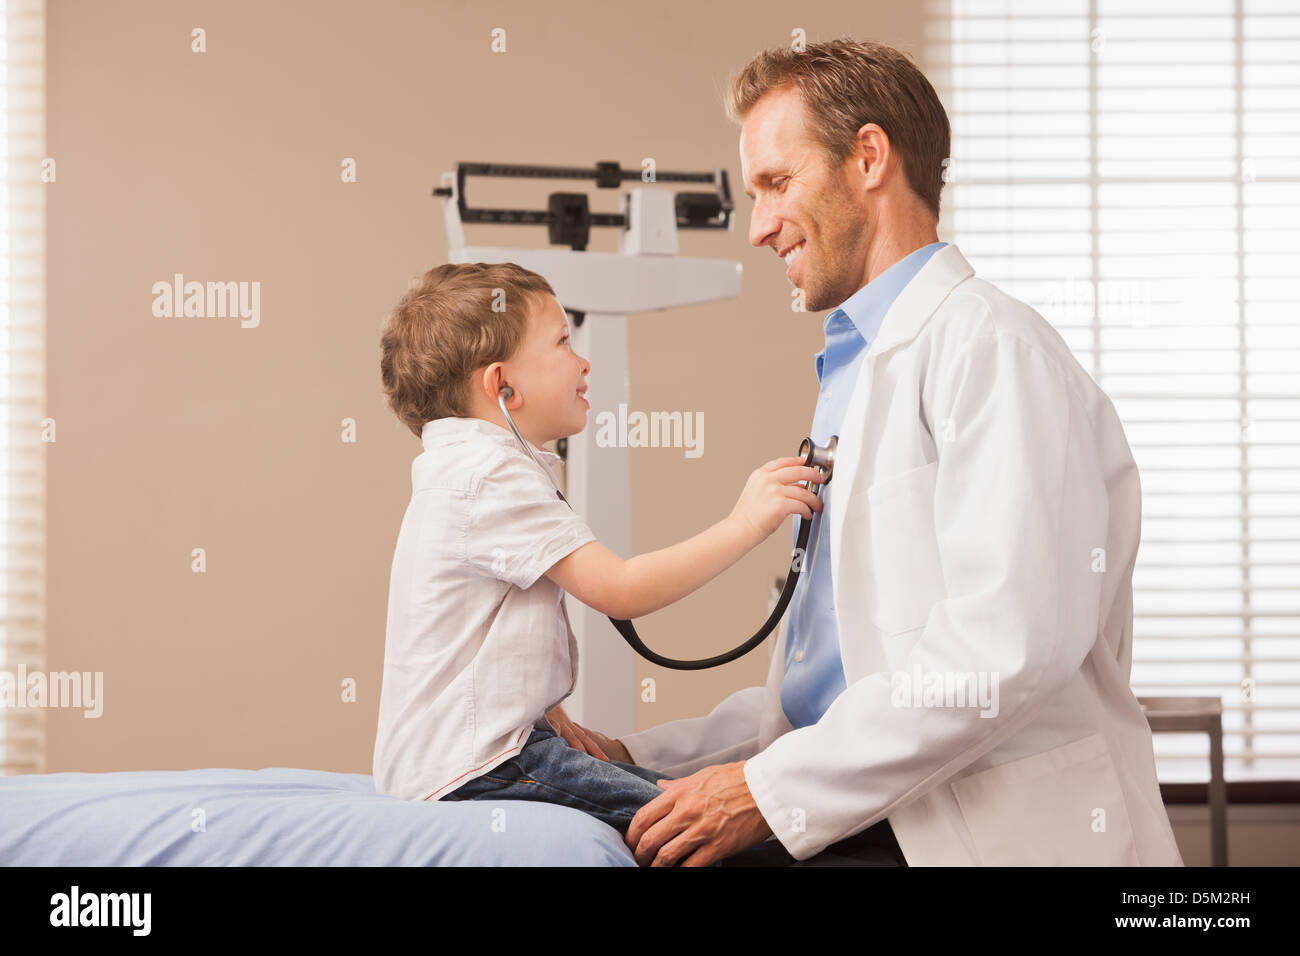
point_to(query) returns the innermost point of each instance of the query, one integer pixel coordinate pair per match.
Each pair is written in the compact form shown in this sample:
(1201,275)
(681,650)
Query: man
(954,673)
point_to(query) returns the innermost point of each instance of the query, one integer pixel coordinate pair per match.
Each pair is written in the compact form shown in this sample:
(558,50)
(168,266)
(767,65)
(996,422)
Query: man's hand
(577,737)
(698,820)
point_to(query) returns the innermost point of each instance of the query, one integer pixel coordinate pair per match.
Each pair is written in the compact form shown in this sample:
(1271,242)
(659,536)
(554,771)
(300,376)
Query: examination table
(279,816)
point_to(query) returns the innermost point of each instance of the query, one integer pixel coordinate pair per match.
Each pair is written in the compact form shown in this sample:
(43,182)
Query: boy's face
(550,376)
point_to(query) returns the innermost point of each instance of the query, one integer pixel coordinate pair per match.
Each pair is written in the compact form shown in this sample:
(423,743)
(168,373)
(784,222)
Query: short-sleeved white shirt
(478,644)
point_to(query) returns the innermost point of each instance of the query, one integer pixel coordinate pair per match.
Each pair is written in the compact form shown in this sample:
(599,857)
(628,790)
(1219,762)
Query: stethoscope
(813,455)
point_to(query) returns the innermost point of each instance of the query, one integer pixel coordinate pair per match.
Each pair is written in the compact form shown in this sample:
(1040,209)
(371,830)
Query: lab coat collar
(921,297)
(863,306)
(444,431)
(866,309)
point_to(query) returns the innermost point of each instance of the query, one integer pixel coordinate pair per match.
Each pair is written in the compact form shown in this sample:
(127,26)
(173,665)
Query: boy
(479,651)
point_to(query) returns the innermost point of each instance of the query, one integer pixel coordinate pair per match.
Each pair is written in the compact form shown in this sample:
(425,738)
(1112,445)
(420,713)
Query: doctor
(954,674)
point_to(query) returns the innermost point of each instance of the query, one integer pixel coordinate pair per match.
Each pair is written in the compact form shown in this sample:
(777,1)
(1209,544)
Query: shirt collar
(444,431)
(866,308)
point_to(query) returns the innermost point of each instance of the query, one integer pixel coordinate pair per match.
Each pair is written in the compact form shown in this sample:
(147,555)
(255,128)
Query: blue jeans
(550,771)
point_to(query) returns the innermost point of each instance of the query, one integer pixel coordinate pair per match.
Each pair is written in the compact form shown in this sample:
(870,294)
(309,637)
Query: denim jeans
(550,771)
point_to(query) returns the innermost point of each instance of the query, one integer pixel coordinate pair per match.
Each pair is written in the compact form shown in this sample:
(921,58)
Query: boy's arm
(625,590)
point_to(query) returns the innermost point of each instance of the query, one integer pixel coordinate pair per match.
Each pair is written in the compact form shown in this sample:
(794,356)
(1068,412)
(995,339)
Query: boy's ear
(492,383)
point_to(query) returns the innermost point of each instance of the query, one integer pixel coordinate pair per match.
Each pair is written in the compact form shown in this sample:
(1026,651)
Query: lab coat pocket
(905,568)
(1062,807)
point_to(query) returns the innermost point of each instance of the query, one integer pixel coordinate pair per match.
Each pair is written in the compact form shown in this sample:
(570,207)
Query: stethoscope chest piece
(823,459)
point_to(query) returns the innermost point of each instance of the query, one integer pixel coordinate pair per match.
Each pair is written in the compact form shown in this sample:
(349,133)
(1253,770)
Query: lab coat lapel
(919,300)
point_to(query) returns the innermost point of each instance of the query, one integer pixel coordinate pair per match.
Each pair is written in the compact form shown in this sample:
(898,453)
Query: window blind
(1131,168)
(22,375)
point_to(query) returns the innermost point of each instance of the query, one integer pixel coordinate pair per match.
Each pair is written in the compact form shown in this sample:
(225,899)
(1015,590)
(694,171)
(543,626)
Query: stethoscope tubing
(813,455)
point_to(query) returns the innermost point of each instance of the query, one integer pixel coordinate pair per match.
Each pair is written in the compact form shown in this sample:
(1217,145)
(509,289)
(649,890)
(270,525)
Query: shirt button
(828,392)
(798,655)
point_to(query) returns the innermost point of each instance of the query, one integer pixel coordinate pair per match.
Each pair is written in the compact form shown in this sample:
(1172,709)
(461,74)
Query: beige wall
(180,433)
(175,434)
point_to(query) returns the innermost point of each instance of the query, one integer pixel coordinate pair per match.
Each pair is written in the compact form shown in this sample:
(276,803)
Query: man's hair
(453,320)
(844,84)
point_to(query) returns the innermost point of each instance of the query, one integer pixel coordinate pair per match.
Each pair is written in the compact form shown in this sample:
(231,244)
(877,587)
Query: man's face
(550,375)
(799,201)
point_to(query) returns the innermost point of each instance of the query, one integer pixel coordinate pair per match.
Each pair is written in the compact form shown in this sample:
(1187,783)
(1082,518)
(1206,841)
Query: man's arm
(732,731)
(727,733)
(1019,506)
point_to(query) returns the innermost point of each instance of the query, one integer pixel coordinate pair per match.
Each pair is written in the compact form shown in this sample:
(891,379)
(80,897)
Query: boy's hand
(772,493)
(611,745)
(574,735)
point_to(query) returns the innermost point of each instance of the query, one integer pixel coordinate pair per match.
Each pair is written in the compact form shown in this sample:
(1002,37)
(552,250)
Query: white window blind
(1132,170)
(22,375)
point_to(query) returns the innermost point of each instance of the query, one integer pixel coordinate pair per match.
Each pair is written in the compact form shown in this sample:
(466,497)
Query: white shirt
(478,645)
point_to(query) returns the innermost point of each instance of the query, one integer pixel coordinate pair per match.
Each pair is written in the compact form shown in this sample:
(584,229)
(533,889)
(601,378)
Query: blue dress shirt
(814,671)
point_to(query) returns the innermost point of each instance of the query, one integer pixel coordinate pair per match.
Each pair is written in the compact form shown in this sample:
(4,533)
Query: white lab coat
(986,519)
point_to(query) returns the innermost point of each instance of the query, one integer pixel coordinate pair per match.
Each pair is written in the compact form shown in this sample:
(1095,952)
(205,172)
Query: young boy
(479,647)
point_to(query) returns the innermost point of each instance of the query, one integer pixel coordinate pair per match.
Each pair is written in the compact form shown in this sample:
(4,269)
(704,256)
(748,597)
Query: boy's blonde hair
(454,319)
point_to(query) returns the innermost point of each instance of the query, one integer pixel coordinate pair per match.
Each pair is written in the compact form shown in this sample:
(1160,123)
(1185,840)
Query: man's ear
(869,142)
